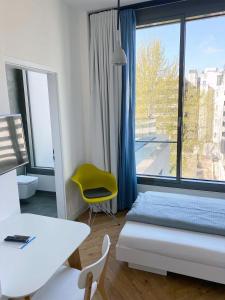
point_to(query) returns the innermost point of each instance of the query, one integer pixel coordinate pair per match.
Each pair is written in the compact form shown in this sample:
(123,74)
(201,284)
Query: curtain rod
(146,4)
(101,10)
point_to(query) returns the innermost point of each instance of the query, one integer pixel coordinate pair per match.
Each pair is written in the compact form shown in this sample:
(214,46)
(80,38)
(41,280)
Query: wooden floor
(123,283)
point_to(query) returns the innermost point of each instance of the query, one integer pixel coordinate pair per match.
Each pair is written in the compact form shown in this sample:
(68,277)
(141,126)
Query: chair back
(86,175)
(96,268)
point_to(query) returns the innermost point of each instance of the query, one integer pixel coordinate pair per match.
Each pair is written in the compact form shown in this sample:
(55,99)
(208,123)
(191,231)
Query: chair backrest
(97,267)
(85,174)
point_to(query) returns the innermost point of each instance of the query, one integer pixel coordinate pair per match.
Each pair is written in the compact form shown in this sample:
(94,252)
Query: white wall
(45,182)
(9,201)
(37,31)
(78,111)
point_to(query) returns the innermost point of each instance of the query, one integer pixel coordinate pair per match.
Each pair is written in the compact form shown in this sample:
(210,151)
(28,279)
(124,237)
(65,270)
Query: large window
(37,123)
(40,122)
(180,103)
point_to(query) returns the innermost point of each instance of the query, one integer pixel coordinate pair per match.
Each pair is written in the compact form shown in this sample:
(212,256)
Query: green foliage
(157,89)
(157,100)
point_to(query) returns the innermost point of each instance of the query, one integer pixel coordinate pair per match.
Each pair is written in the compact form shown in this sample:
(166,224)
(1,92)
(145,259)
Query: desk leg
(25,298)
(74,260)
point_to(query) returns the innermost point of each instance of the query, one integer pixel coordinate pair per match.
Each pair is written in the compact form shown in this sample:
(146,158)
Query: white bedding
(202,248)
(200,214)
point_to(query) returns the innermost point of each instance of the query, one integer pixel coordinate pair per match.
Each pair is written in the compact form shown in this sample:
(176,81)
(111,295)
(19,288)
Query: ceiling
(91,5)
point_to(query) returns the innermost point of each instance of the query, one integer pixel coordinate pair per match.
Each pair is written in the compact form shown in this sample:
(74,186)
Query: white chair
(72,284)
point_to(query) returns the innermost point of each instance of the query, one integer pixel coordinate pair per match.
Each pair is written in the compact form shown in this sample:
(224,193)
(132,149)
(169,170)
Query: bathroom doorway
(29,94)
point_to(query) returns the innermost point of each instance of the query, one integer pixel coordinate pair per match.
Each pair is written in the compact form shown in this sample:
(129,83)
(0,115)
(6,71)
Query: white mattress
(176,243)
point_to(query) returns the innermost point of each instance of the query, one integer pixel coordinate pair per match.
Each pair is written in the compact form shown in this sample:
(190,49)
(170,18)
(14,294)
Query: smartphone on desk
(17,238)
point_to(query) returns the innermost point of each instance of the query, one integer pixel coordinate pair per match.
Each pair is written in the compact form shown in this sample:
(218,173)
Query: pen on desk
(28,242)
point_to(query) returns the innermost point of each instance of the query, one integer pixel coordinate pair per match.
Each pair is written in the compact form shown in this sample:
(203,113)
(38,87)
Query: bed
(186,250)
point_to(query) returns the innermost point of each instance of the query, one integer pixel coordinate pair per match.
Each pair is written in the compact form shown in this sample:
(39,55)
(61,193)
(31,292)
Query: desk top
(24,271)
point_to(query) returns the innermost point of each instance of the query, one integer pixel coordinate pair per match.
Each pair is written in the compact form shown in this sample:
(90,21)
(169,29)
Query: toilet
(27,186)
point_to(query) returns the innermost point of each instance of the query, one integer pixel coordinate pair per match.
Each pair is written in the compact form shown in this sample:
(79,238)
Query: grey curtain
(106,81)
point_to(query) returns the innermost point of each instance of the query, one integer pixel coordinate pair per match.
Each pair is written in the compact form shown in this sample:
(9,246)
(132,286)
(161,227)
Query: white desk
(22,272)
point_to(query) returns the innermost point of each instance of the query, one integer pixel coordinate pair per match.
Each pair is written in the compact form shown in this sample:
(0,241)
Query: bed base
(155,263)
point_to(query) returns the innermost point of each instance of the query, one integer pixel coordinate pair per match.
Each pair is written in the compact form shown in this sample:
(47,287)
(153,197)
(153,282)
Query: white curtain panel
(106,93)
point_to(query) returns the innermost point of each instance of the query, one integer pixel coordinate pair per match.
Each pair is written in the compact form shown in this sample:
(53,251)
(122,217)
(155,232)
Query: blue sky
(205,42)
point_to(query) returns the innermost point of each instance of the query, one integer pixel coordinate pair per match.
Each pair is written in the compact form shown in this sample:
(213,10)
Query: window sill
(40,171)
(182,184)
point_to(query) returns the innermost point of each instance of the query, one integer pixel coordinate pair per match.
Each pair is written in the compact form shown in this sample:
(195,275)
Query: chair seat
(63,286)
(97,193)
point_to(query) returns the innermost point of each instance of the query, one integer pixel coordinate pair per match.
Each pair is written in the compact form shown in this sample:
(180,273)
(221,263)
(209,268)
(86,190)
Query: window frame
(31,167)
(203,11)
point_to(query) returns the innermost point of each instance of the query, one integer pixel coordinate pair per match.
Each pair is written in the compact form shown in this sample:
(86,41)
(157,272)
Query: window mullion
(180,97)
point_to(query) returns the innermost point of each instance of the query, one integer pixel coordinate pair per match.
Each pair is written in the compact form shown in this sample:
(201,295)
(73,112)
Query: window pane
(158,159)
(157,99)
(203,127)
(40,119)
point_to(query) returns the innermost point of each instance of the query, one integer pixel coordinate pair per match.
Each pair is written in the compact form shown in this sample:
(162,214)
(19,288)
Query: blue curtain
(127,181)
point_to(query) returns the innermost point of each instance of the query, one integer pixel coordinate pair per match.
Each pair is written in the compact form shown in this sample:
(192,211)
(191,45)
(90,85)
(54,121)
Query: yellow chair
(94,181)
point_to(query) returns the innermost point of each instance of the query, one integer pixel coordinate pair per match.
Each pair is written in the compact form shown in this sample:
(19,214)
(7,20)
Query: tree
(157,95)
(191,116)
(157,89)
(157,107)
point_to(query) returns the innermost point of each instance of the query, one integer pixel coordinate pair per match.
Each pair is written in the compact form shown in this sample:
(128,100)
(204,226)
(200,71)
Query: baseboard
(148,269)
(47,193)
(77,214)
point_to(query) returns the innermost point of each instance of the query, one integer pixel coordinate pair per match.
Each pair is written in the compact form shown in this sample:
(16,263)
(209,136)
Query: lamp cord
(118,15)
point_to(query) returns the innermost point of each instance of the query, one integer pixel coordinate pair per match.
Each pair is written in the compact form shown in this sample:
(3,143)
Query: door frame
(55,124)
